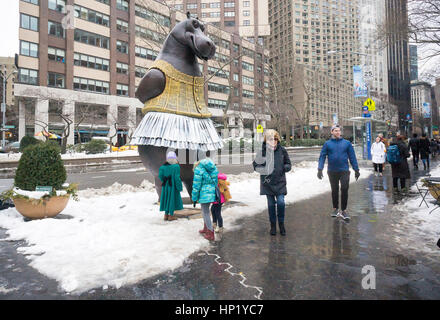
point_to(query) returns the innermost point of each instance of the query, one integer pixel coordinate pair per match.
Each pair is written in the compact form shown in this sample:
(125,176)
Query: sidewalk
(320,258)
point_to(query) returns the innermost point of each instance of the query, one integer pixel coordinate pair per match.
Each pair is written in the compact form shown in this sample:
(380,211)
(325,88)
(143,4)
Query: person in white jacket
(378,152)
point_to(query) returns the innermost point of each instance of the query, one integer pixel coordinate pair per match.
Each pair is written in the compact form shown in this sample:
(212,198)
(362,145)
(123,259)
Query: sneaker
(380,174)
(344,215)
(335,213)
(218,229)
(375,174)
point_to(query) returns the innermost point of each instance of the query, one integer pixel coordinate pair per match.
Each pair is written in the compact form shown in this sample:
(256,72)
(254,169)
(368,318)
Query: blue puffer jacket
(205,180)
(338,151)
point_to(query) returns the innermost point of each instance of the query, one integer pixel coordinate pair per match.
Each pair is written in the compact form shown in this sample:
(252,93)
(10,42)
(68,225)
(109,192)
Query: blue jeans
(277,201)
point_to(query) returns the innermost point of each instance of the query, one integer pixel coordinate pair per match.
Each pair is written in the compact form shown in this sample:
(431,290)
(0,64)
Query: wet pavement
(320,258)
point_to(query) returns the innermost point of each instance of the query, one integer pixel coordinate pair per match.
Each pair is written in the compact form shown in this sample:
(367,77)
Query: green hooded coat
(170,199)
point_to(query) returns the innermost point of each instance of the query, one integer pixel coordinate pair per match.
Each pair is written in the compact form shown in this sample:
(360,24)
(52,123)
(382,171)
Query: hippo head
(191,34)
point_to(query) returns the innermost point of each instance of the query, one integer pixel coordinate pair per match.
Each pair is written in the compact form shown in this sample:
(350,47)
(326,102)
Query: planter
(35,209)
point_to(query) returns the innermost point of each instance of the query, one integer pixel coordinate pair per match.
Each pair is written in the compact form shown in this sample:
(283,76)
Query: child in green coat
(170,199)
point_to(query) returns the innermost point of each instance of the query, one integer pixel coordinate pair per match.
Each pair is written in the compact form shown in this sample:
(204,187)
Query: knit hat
(335,126)
(171,155)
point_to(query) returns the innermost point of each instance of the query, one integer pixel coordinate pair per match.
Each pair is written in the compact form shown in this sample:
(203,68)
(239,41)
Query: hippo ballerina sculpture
(176,116)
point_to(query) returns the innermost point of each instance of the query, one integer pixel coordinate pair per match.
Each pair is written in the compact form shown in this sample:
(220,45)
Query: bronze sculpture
(176,116)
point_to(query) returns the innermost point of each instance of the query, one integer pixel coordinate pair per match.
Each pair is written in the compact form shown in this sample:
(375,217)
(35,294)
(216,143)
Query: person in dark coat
(338,151)
(433,148)
(400,170)
(414,146)
(272,162)
(425,150)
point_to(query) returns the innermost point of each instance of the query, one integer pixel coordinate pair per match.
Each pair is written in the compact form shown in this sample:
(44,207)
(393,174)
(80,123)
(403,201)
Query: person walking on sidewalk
(216,208)
(398,155)
(204,183)
(378,152)
(272,163)
(433,146)
(425,150)
(338,151)
(414,146)
(169,175)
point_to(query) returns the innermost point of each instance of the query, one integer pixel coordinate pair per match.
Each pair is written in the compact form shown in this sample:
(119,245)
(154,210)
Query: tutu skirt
(176,131)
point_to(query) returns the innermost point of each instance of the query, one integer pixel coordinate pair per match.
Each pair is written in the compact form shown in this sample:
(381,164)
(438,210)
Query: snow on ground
(417,229)
(117,236)
(74,155)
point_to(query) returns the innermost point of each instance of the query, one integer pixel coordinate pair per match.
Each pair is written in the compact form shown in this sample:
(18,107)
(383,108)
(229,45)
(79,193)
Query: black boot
(273,229)
(282,230)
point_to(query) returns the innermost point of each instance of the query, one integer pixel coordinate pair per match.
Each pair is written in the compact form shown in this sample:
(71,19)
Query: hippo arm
(151,85)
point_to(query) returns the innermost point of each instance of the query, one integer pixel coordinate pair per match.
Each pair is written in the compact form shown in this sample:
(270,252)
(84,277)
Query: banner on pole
(359,85)
(426,110)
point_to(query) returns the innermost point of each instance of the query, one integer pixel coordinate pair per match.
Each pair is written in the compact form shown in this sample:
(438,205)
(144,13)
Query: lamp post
(3,108)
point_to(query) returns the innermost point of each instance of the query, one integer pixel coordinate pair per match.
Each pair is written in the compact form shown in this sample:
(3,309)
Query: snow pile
(415,228)
(117,236)
(37,194)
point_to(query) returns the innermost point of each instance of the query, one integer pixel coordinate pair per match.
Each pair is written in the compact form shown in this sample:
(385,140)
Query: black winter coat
(401,170)
(424,148)
(414,145)
(272,168)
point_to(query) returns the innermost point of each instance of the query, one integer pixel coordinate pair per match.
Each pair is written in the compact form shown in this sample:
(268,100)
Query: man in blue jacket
(338,151)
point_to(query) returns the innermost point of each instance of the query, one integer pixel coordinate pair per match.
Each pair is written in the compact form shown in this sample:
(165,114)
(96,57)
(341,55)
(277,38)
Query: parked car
(11,147)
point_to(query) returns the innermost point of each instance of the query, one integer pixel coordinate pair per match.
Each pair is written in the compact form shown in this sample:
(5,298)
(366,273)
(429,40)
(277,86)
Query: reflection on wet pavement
(320,257)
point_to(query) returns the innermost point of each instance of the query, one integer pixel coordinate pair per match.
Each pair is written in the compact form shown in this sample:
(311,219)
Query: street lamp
(3,106)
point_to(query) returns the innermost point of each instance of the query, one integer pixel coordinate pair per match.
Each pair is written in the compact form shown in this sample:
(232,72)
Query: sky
(9,19)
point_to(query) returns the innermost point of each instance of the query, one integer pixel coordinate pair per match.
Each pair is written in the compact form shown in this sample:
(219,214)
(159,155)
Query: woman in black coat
(400,170)
(272,162)
(425,150)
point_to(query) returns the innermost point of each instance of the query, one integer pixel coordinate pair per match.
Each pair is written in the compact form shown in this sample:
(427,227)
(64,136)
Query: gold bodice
(183,94)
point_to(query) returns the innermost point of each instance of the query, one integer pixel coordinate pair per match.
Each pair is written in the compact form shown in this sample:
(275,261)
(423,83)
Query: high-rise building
(420,99)
(414,67)
(398,57)
(85,58)
(247,18)
(319,37)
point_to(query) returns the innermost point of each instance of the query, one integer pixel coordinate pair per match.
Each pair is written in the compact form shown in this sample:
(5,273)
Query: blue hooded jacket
(204,182)
(338,151)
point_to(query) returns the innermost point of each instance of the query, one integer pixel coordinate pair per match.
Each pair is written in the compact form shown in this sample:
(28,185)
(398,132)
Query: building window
(216,103)
(191,6)
(55,29)
(56,54)
(140,72)
(122,5)
(235,77)
(247,80)
(122,25)
(229,23)
(28,49)
(55,80)
(229,4)
(82,60)
(215,14)
(92,16)
(247,66)
(149,34)
(246,13)
(89,85)
(214,5)
(91,38)
(57,5)
(246,3)
(248,94)
(145,53)
(107,2)
(122,46)
(122,90)
(178,7)
(28,76)
(32,1)
(152,16)
(218,88)
(229,13)
(246,22)
(28,22)
(121,68)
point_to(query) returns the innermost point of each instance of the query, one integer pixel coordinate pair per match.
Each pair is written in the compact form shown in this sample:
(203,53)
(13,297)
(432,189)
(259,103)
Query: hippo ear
(188,14)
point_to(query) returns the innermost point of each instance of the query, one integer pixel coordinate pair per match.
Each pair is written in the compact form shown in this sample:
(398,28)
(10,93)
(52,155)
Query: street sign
(364,108)
(370,104)
(260,128)
(408,116)
(9,127)
(3,109)
(367,115)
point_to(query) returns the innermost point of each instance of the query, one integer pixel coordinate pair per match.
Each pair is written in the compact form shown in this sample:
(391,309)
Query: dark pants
(378,165)
(415,158)
(335,178)
(276,206)
(402,182)
(426,161)
(216,211)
